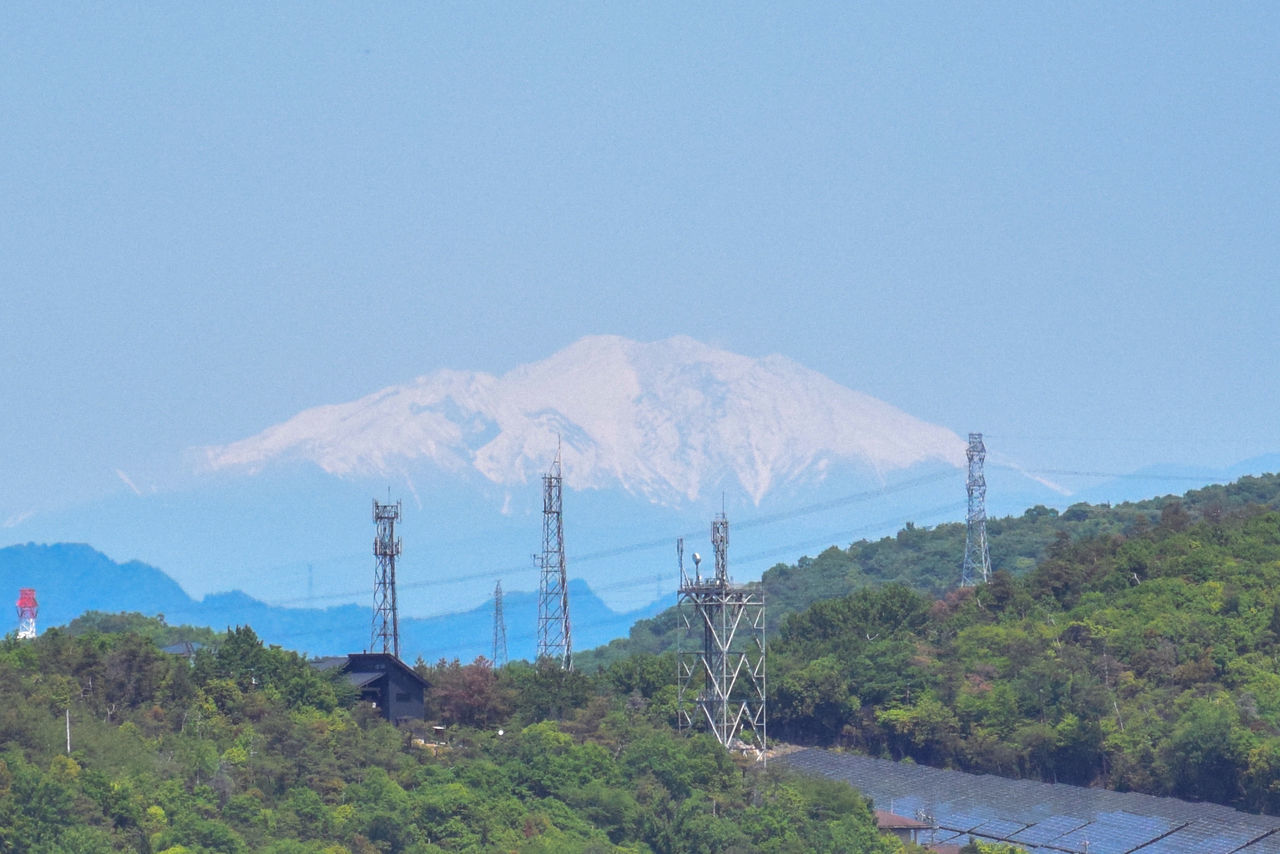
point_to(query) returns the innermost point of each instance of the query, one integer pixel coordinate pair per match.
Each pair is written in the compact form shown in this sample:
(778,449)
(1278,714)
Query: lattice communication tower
(27,610)
(553,587)
(977,560)
(499,630)
(386,548)
(720,651)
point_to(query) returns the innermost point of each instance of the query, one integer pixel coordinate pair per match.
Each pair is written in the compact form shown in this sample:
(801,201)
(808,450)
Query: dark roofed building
(392,687)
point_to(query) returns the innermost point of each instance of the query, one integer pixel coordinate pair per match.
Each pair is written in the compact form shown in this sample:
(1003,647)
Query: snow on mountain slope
(667,420)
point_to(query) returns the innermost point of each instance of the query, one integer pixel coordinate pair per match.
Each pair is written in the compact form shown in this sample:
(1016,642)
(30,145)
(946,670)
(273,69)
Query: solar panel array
(1044,818)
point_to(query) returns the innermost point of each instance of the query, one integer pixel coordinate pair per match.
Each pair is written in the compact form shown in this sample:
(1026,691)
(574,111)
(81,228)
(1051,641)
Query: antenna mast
(720,642)
(499,629)
(977,560)
(27,610)
(553,589)
(386,548)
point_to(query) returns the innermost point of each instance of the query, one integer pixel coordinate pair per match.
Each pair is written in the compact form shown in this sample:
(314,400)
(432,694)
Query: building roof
(1045,818)
(187,648)
(379,663)
(359,679)
(362,668)
(886,820)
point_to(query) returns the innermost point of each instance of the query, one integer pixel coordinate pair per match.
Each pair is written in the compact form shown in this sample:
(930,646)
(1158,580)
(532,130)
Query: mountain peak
(668,420)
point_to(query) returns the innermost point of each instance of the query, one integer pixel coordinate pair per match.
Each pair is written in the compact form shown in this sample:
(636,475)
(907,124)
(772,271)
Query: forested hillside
(928,560)
(1143,654)
(250,749)
(1136,647)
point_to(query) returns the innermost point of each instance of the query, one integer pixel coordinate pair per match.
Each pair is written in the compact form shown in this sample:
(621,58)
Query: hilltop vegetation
(1136,647)
(1142,656)
(927,560)
(250,749)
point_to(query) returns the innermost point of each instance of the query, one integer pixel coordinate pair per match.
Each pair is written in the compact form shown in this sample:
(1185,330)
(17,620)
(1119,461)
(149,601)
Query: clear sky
(1053,222)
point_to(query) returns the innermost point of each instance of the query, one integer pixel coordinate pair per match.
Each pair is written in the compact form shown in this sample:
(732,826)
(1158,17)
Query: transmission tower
(499,630)
(977,560)
(720,651)
(386,548)
(553,588)
(27,610)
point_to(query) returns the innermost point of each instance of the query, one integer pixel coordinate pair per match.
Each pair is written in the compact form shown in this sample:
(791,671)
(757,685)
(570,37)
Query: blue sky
(1055,223)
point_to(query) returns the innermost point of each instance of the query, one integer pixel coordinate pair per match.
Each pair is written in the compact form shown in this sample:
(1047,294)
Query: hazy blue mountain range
(71,579)
(656,438)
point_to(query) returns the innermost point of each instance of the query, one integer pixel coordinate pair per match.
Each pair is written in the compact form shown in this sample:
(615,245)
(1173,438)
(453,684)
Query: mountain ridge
(71,579)
(795,460)
(667,421)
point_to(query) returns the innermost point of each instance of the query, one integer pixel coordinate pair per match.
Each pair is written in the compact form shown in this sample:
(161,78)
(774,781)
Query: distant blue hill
(71,579)
(1171,479)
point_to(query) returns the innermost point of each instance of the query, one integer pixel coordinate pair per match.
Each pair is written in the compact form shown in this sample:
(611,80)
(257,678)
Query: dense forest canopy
(251,749)
(1132,646)
(928,560)
(1136,647)
(1143,655)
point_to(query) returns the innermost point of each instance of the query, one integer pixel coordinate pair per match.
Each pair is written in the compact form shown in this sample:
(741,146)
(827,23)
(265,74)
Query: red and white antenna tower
(27,610)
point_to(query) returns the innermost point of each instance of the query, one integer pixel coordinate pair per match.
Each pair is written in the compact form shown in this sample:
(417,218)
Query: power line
(664,542)
(794,548)
(1217,439)
(844,535)
(866,495)
(635,581)
(1115,475)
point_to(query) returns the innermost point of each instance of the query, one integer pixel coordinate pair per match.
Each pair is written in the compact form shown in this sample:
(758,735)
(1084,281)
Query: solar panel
(999,829)
(961,819)
(948,836)
(1047,818)
(1116,833)
(1204,837)
(1269,844)
(1048,830)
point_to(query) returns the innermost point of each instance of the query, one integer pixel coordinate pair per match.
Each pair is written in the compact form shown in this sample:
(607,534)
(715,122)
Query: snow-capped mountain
(656,440)
(667,421)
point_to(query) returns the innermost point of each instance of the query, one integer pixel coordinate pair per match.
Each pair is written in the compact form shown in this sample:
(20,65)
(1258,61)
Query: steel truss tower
(386,548)
(977,560)
(499,630)
(720,651)
(553,587)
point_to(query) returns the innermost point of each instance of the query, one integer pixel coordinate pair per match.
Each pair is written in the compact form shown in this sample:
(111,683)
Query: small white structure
(27,609)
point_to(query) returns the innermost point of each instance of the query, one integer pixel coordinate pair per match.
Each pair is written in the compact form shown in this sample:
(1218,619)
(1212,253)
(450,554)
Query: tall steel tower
(386,548)
(27,610)
(553,588)
(720,651)
(499,629)
(977,560)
